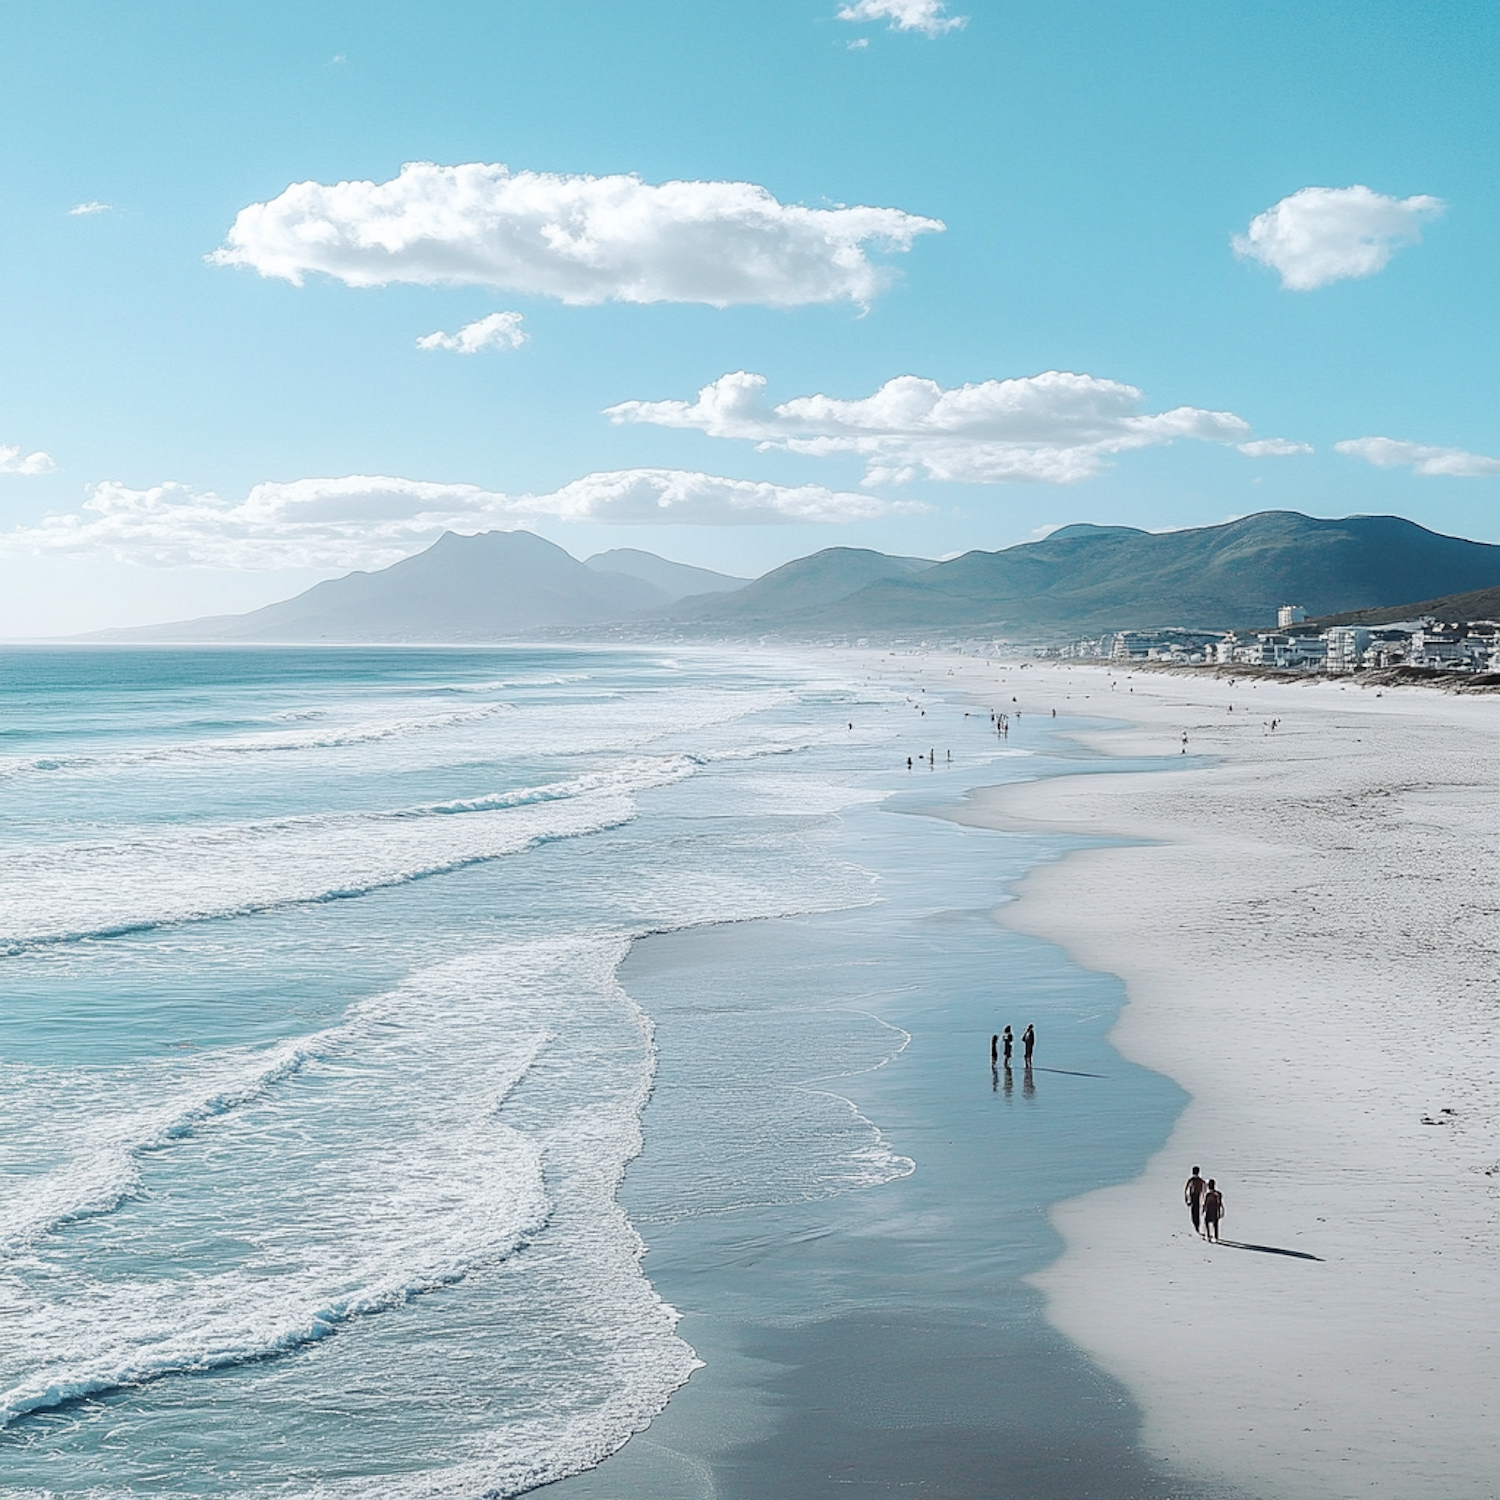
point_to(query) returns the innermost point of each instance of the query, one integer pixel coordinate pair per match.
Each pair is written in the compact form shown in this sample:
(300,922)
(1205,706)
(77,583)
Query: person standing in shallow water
(1007,1042)
(994,1050)
(1192,1195)
(1213,1211)
(1028,1045)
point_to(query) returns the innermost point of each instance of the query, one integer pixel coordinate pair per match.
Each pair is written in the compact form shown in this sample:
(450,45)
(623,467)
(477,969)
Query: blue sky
(1090,164)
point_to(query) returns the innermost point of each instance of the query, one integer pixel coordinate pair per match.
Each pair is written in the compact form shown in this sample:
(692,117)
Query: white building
(1345,643)
(1290,614)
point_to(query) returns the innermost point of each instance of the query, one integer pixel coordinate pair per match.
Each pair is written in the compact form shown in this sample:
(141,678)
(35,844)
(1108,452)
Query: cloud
(501,330)
(925,16)
(1053,428)
(1390,453)
(12,461)
(681,497)
(1273,448)
(1323,234)
(583,240)
(94,207)
(370,521)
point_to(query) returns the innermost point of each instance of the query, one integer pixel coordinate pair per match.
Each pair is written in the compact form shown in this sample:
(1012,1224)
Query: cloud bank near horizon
(580,239)
(1319,235)
(1421,458)
(1052,428)
(371,521)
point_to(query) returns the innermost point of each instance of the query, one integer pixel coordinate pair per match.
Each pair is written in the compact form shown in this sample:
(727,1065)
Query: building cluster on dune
(1458,646)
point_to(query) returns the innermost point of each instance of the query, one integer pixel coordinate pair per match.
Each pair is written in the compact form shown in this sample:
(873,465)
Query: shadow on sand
(1268,1250)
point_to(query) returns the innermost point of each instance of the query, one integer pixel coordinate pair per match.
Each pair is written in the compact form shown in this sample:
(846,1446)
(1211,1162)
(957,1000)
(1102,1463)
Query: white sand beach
(1308,929)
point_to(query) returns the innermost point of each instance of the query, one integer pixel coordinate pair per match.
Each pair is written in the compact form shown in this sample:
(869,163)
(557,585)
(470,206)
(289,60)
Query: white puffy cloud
(1422,458)
(1273,448)
(94,207)
(925,16)
(1054,427)
(583,240)
(370,521)
(501,330)
(1323,234)
(13,461)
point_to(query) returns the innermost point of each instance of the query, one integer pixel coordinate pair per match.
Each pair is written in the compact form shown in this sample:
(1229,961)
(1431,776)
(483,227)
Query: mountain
(1080,580)
(675,580)
(807,586)
(462,588)
(1087,578)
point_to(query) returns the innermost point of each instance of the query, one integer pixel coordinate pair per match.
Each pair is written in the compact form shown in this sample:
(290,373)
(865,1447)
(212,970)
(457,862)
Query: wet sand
(887,1340)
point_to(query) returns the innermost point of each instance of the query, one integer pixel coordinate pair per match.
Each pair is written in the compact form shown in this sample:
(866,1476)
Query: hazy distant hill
(462,588)
(1085,578)
(793,592)
(675,580)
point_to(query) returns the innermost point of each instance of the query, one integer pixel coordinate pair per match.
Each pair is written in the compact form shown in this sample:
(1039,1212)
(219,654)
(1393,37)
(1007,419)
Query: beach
(1305,921)
(572,1068)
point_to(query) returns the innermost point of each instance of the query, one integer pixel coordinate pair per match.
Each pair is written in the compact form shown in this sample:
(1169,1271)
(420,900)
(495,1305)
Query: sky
(290,289)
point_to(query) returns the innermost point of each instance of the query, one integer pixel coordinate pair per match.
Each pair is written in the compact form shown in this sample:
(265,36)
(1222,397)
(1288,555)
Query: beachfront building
(1339,650)
(1290,614)
(1345,645)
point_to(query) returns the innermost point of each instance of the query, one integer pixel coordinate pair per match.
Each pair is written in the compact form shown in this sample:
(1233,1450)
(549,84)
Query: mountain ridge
(1080,579)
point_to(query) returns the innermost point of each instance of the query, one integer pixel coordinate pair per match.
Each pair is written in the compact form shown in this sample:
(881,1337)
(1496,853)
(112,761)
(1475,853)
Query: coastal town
(1451,646)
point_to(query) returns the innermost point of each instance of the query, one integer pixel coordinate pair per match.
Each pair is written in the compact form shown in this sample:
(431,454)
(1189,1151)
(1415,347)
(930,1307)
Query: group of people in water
(1205,1205)
(1004,1043)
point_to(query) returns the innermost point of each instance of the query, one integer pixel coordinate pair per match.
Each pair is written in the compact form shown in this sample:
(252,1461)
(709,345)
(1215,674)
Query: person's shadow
(1268,1250)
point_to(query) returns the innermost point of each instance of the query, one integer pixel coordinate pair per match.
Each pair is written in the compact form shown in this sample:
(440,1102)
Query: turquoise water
(321,1080)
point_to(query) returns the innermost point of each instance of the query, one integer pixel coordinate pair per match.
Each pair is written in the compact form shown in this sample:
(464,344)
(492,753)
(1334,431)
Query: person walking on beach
(1028,1045)
(1008,1042)
(1192,1195)
(1213,1211)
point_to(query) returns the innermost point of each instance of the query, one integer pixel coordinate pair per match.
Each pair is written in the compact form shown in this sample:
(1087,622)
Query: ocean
(335,1133)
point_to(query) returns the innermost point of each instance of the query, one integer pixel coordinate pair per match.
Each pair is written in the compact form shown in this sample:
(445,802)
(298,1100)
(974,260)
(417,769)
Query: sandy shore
(1308,929)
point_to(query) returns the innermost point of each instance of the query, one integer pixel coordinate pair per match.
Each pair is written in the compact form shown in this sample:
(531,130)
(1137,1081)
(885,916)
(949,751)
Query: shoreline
(1306,928)
(888,1338)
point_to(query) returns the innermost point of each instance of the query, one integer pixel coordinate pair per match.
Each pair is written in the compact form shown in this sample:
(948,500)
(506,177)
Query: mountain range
(1078,580)
(494,586)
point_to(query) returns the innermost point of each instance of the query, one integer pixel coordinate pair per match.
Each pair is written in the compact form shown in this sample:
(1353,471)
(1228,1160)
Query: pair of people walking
(1205,1204)
(1005,1043)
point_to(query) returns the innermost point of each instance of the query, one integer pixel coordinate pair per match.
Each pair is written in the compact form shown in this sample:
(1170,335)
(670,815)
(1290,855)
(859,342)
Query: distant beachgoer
(994,1049)
(1054,713)
(1213,1210)
(1192,1195)
(1009,1042)
(908,762)
(1028,1044)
